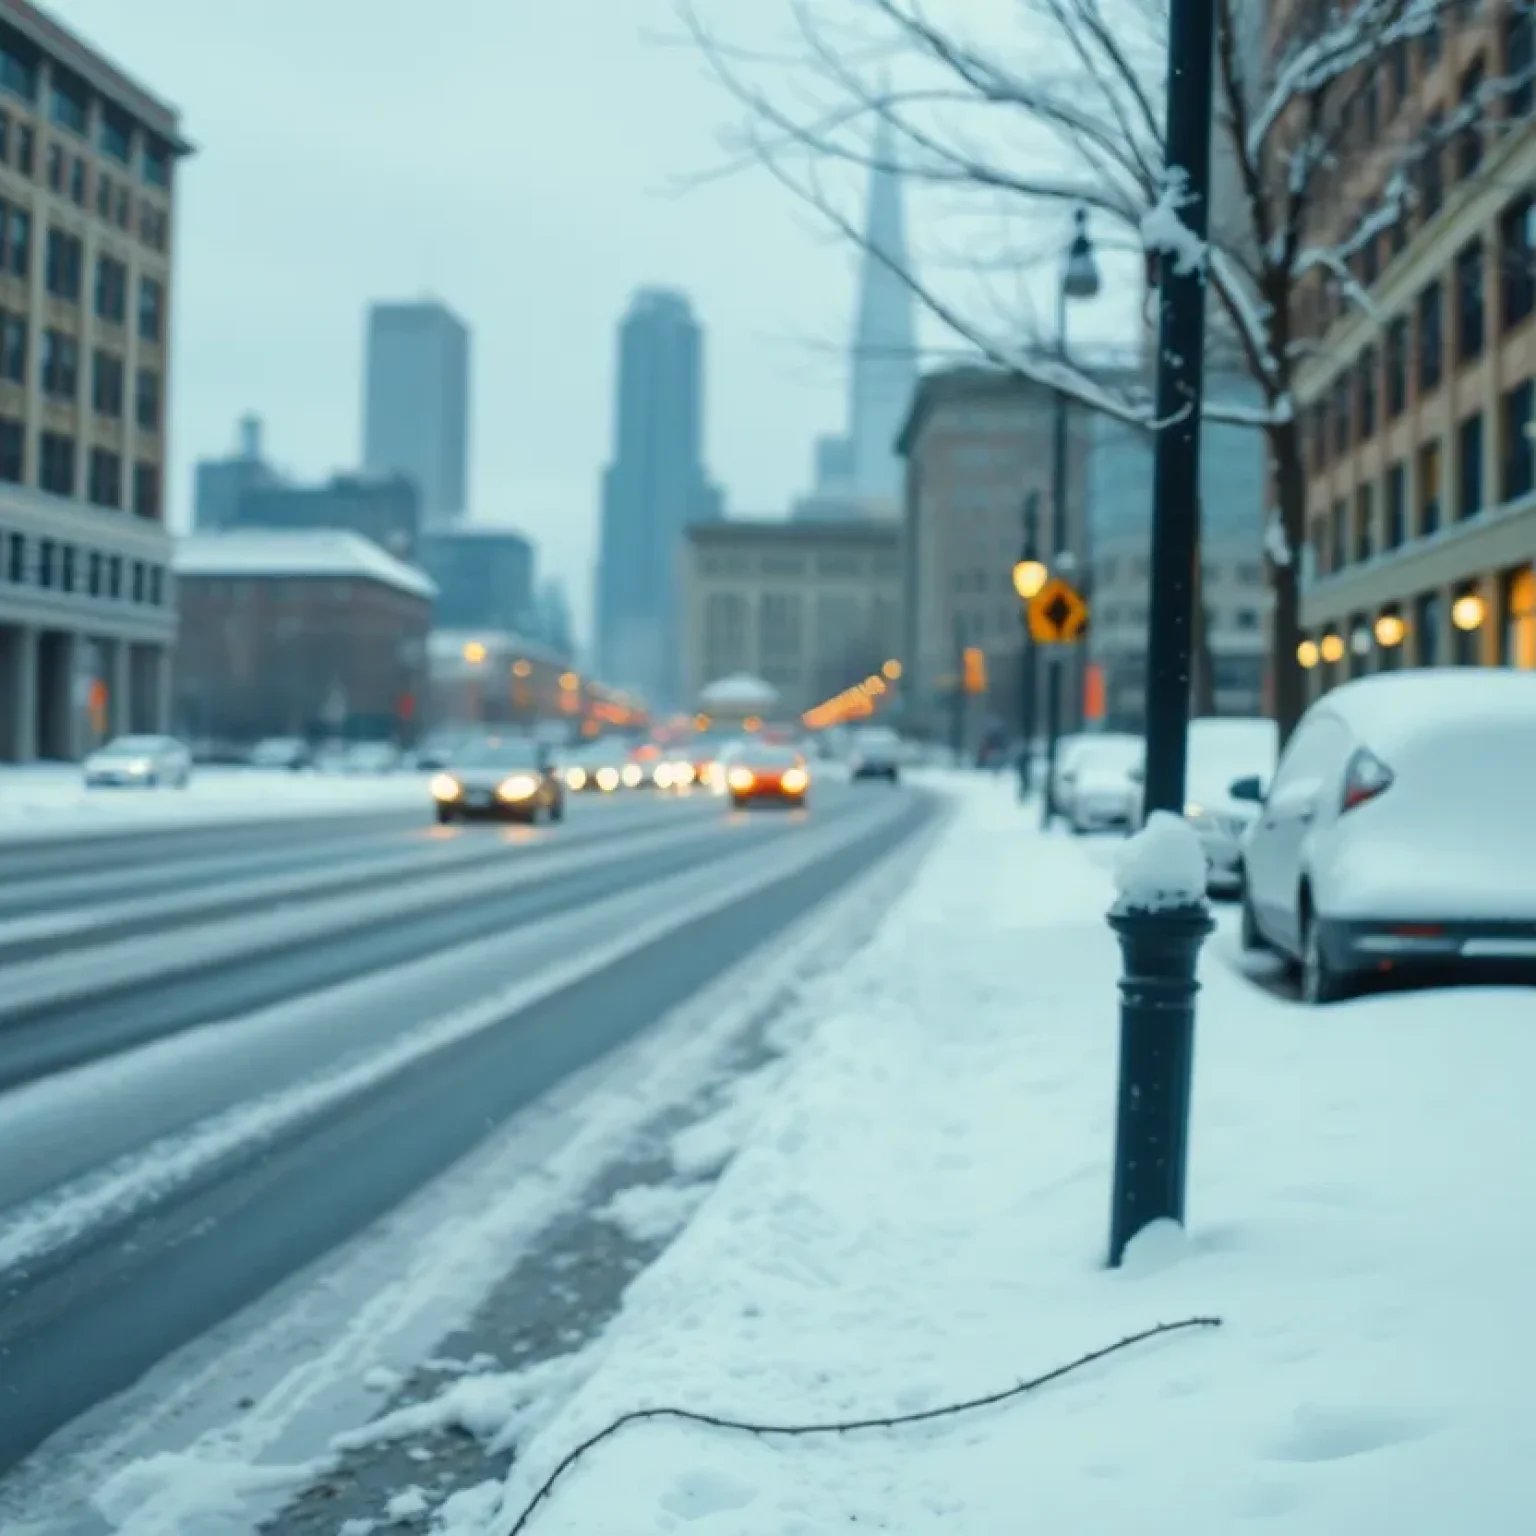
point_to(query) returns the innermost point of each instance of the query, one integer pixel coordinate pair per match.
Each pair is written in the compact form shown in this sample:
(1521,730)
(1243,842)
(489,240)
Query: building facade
(1419,418)
(313,632)
(653,489)
(810,608)
(1234,590)
(218,484)
(87,603)
(385,509)
(484,578)
(416,403)
(978,446)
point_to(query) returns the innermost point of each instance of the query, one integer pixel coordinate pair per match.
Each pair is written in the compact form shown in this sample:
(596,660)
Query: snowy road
(226,1049)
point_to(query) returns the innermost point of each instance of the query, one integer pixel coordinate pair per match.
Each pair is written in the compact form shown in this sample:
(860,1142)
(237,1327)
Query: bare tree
(1320,155)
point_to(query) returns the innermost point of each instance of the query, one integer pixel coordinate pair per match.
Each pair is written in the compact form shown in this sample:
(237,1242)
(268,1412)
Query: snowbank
(921,1216)
(52,801)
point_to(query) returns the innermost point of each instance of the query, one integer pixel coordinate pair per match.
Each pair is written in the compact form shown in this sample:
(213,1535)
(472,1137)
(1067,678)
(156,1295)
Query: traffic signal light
(975,670)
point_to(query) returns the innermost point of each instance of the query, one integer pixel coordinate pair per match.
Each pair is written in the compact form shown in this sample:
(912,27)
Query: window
(15,240)
(152,226)
(1469,140)
(1469,471)
(107,384)
(67,102)
(1431,307)
(13,348)
(1519,59)
(115,576)
(1426,628)
(16,557)
(67,568)
(103,195)
(106,478)
(13,450)
(1338,538)
(1517,259)
(47,562)
(1397,507)
(137,589)
(18,70)
(1397,367)
(1431,167)
(5,134)
(56,168)
(124,205)
(64,258)
(1365,522)
(1429,489)
(146,490)
(1365,393)
(156,163)
(111,289)
(56,466)
(1469,302)
(146,400)
(26,149)
(1517,426)
(115,135)
(60,365)
(77,182)
(1341,415)
(151,309)
(1319,433)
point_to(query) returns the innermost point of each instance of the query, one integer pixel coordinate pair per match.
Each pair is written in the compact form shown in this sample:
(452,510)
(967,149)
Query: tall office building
(484,578)
(653,489)
(860,471)
(416,403)
(88,184)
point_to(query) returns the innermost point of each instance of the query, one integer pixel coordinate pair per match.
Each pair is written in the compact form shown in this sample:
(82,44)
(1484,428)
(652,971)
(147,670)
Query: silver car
(139,762)
(1222,752)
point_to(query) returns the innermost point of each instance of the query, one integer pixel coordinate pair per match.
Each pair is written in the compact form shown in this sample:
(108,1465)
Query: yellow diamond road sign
(1057,613)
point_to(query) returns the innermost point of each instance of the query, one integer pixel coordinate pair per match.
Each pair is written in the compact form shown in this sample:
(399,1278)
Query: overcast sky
(517,160)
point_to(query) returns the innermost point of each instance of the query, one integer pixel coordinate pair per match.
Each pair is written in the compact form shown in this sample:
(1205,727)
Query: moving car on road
(596,767)
(502,778)
(877,754)
(142,761)
(1396,835)
(758,773)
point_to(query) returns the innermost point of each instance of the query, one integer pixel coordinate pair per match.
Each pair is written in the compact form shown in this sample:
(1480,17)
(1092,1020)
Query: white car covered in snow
(1398,832)
(1095,783)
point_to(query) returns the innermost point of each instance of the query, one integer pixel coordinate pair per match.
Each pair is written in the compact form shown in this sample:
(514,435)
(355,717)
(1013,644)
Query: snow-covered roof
(336,554)
(739,691)
(1387,708)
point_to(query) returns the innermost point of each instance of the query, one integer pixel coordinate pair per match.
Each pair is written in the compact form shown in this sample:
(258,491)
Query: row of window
(1386,87)
(1350,534)
(69,108)
(64,259)
(59,374)
(1377,390)
(784,563)
(58,459)
(55,566)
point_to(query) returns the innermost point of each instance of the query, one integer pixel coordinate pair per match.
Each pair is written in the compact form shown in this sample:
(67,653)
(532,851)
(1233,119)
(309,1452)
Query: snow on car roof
(1390,708)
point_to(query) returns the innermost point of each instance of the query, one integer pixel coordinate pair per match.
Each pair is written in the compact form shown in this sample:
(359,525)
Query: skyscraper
(416,403)
(653,489)
(862,466)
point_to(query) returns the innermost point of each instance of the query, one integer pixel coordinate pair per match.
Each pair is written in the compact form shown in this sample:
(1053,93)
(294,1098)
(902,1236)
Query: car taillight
(1365,778)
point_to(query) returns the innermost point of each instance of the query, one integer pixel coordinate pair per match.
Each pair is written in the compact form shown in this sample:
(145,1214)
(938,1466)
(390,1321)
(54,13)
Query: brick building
(314,632)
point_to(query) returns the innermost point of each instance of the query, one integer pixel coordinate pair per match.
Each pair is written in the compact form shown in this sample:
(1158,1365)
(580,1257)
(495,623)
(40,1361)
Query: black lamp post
(1029,577)
(1079,280)
(1160,944)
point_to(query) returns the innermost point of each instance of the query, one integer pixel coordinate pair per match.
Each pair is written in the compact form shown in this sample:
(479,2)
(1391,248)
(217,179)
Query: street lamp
(1160,941)
(1029,577)
(1079,280)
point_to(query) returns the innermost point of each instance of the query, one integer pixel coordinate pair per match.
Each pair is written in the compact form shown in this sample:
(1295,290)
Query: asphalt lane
(84,1320)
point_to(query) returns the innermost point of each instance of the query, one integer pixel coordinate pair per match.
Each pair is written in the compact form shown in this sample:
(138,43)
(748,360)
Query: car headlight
(137,766)
(608,779)
(682,773)
(576,778)
(446,787)
(739,778)
(662,777)
(632,775)
(795,780)
(519,787)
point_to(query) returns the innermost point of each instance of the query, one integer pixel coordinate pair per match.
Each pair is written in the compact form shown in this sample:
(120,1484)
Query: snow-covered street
(920,1215)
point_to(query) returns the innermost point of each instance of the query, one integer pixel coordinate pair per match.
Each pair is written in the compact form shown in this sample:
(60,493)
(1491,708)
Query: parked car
(877,754)
(1094,786)
(290,752)
(371,757)
(1221,751)
(1395,835)
(144,762)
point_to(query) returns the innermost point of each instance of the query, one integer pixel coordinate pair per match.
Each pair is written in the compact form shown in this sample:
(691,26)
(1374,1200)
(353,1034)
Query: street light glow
(1331,648)
(1390,630)
(1468,612)
(474,653)
(892,670)
(1029,578)
(1306,654)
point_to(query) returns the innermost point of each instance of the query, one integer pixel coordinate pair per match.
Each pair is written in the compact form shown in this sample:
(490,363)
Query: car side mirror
(1250,789)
